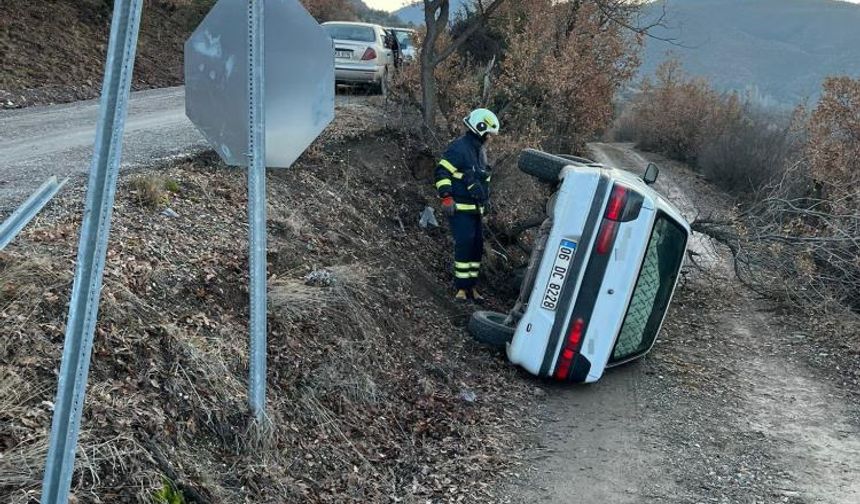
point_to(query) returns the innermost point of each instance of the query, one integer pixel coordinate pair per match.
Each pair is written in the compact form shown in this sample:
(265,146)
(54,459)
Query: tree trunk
(428,90)
(435,24)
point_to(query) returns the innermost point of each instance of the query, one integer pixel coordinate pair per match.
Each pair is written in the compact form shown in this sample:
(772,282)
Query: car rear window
(350,32)
(653,289)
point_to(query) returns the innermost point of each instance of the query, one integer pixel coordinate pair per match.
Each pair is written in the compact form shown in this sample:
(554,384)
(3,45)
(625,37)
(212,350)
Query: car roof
(352,23)
(396,28)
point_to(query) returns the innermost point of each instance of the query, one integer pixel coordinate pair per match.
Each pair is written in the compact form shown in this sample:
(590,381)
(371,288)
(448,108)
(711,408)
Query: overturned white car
(601,275)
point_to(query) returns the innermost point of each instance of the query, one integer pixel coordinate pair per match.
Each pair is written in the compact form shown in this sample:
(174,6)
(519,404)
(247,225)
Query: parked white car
(406,42)
(601,275)
(362,53)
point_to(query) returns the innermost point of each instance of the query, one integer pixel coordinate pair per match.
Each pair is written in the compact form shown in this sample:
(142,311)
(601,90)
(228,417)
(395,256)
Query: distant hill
(368,15)
(415,13)
(778,50)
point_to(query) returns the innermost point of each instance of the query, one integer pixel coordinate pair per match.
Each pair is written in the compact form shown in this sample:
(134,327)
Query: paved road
(38,142)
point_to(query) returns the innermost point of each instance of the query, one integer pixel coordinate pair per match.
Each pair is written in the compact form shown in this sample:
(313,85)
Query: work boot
(461,296)
(477,297)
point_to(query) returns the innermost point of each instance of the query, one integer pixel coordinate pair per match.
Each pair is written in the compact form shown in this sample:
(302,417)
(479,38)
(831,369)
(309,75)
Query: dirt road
(727,408)
(38,142)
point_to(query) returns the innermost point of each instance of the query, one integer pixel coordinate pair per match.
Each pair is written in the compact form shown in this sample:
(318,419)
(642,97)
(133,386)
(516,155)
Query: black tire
(489,327)
(539,164)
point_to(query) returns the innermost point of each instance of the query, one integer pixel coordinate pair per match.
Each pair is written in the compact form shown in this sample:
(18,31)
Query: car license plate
(343,54)
(560,268)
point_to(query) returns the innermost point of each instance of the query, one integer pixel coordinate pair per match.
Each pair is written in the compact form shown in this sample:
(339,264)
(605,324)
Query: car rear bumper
(358,73)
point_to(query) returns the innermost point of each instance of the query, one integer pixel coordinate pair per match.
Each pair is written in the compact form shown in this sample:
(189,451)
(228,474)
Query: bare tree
(436,18)
(795,247)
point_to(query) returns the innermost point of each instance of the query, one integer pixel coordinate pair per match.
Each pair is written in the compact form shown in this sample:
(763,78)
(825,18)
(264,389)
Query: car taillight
(571,346)
(617,203)
(617,210)
(369,54)
(606,236)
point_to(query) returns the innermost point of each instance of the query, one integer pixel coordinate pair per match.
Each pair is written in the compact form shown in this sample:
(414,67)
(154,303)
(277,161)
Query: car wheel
(489,327)
(546,167)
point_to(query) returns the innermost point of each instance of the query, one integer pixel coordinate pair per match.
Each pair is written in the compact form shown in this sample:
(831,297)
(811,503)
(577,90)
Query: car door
(388,59)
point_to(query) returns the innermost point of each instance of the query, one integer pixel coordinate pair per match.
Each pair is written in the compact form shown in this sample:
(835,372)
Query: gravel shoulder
(737,403)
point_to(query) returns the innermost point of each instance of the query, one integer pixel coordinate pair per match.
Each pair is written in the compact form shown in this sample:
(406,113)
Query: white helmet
(482,122)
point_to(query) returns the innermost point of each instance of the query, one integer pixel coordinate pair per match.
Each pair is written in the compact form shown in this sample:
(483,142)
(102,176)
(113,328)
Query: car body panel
(616,291)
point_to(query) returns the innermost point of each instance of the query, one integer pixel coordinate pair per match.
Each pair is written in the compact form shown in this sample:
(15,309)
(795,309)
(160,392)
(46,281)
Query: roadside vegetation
(548,69)
(795,176)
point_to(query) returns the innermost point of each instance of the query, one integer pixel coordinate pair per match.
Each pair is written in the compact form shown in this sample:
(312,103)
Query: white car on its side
(601,275)
(362,53)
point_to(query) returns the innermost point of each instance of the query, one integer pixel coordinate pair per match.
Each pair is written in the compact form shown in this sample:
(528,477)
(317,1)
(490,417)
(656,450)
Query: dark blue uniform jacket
(464,174)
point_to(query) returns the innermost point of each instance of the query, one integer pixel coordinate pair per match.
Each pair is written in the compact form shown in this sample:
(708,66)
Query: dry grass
(27,277)
(150,190)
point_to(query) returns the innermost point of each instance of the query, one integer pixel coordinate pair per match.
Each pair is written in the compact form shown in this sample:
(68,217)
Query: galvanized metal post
(86,290)
(10,228)
(257,209)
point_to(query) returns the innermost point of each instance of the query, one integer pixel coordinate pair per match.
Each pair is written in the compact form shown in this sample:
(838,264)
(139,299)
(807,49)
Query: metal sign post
(288,103)
(86,290)
(257,210)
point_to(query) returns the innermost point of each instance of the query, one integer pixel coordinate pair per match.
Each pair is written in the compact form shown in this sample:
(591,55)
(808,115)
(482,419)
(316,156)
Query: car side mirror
(652,171)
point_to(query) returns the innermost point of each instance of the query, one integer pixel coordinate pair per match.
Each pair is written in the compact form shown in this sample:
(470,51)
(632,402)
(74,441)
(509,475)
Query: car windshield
(350,32)
(404,38)
(653,289)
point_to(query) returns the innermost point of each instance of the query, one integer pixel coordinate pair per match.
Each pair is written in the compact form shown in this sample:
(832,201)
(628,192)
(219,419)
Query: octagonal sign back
(298,82)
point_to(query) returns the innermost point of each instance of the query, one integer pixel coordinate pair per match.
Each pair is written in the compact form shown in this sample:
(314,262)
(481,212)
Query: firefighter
(463,184)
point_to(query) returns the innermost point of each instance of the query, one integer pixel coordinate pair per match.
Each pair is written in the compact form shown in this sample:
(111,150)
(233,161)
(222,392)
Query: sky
(392,5)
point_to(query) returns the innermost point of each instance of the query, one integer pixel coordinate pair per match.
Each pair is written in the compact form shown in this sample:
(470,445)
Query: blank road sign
(298,85)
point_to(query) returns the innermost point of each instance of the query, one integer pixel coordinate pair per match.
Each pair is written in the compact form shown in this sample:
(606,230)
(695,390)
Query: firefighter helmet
(482,122)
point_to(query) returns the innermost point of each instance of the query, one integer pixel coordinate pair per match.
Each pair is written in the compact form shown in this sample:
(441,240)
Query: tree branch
(468,32)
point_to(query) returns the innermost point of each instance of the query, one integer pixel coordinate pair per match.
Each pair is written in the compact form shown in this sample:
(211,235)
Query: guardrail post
(86,290)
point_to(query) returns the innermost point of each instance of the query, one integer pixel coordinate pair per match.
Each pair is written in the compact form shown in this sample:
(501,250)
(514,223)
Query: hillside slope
(375,393)
(54,50)
(414,13)
(776,49)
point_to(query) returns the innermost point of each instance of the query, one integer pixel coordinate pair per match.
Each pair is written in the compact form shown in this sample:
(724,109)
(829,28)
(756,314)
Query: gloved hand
(477,193)
(448,206)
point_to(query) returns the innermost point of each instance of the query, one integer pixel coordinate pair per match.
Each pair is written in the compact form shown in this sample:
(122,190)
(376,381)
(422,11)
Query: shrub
(734,144)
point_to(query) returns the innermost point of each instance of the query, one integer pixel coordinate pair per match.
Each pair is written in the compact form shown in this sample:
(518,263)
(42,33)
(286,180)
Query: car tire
(546,167)
(489,327)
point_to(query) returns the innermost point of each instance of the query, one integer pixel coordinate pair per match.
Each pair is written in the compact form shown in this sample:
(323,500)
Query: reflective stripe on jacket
(463,174)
